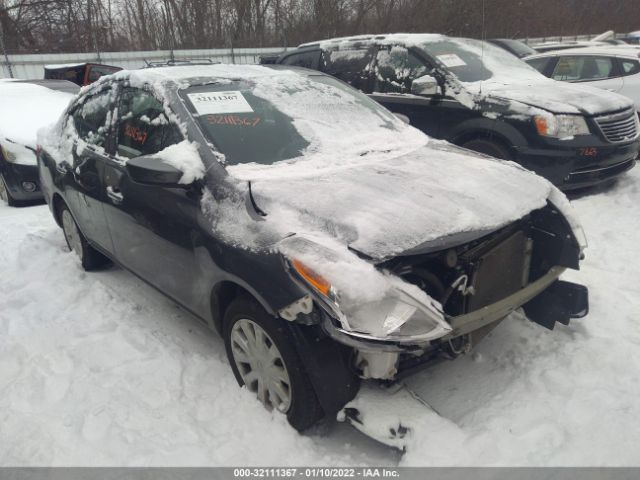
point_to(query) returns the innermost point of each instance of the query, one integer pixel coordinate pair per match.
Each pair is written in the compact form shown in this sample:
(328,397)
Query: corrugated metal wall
(32,66)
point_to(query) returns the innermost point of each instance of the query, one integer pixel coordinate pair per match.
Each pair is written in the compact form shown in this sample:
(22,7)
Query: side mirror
(151,170)
(403,118)
(425,85)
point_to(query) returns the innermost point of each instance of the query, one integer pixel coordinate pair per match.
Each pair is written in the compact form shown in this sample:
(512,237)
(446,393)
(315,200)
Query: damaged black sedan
(325,239)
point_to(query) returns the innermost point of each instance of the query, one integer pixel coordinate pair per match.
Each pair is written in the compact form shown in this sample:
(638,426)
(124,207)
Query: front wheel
(90,258)
(488,147)
(264,359)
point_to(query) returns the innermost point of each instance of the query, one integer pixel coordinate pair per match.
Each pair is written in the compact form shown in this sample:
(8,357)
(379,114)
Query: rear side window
(629,67)
(304,59)
(143,127)
(93,117)
(395,69)
(350,65)
(539,64)
(583,68)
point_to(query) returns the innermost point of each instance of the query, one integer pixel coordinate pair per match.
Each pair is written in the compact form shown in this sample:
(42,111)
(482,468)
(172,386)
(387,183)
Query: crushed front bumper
(559,304)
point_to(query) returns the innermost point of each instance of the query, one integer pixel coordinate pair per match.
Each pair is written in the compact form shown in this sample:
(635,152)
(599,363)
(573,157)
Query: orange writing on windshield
(233,120)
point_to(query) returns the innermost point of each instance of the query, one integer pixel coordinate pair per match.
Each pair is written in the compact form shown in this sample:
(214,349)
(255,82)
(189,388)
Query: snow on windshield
(475,61)
(29,107)
(297,118)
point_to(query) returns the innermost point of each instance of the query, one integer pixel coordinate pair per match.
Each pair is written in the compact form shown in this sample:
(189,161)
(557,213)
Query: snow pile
(185,157)
(27,108)
(102,370)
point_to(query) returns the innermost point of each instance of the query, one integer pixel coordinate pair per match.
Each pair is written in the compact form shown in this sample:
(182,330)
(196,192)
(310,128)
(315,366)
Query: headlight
(561,126)
(398,317)
(8,155)
(397,311)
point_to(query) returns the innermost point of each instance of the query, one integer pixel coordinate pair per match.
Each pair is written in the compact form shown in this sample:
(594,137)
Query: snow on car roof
(64,65)
(630,51)
(186,73)
(406,38)
(28,108)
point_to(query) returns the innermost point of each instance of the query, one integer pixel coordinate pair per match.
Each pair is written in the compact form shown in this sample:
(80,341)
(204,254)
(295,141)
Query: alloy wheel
(261,365)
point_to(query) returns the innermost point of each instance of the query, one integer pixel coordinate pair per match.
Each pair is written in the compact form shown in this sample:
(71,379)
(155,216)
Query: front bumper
(16,176)
(579,163)
(475,320)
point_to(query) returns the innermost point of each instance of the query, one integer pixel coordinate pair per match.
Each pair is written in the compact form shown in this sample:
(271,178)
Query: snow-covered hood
(27,108)
(395,204)
(557,97)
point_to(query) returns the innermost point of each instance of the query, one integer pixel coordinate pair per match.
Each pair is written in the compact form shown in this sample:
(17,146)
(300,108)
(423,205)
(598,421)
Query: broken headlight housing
(402,313)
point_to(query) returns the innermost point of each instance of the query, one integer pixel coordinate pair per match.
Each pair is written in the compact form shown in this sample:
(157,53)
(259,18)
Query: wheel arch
(483,134)
(225,292)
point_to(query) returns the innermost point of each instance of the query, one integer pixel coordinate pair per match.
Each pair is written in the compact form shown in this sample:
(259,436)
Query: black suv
(478,96)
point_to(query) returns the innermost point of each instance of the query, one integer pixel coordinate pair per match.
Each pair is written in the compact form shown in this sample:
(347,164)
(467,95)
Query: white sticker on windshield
(451,60)
(219,102)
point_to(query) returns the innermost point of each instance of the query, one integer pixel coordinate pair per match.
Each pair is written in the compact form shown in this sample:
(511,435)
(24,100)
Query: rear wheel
(488,147)
(90,258)
(264,359)
(5,195)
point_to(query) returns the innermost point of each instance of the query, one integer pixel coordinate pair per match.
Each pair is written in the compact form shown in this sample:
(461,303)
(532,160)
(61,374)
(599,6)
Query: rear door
(596,71)
(92,119)
(154,228)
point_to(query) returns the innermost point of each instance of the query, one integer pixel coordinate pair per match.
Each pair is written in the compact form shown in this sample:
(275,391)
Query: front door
(394,70)
(92,122)
(154,228)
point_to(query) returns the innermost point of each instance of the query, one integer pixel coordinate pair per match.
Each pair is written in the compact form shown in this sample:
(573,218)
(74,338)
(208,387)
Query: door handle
(115,195)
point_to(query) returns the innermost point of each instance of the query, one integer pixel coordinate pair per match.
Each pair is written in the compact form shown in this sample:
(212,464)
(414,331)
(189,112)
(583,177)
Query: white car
(613,68)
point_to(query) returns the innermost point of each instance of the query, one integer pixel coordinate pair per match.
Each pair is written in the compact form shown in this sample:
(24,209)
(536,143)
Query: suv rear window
(309,59)
(629,67)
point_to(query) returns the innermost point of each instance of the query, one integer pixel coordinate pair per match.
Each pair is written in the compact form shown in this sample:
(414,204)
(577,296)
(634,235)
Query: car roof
(185,75)
(59,85)
(611,51)
(411,38)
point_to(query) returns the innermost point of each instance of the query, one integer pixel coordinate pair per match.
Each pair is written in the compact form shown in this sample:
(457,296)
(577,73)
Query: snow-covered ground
(99,369)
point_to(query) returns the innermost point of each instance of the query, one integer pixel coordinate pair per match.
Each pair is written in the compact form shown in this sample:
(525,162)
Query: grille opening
(496,265)
(619,127)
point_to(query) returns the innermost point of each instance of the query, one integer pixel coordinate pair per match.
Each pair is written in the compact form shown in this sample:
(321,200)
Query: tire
(245,316)
(90,258)
(5,194)
(488,147)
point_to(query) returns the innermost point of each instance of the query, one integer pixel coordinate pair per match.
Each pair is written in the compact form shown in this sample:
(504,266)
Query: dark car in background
(323,238)
(79,73)
(480,97)
(27,105)
(518,48)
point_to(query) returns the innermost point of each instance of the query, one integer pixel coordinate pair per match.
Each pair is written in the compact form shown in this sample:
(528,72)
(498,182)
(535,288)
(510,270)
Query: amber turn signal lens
(541,125)
(314,279)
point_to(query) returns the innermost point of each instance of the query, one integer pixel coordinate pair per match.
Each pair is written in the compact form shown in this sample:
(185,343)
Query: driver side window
(395,70)
(92,118)
(143,127)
